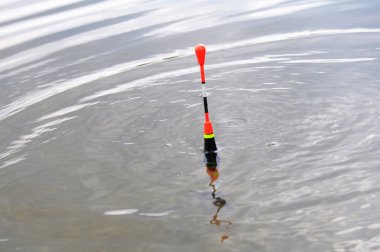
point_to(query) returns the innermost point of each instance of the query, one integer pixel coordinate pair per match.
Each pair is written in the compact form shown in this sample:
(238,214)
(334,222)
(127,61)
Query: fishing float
(210,148)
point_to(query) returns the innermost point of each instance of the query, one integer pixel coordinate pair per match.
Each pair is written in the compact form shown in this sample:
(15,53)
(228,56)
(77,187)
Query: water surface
(101,125)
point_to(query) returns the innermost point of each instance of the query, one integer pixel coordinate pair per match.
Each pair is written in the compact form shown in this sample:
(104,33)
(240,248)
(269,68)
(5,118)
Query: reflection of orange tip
(213,173)
(223,237)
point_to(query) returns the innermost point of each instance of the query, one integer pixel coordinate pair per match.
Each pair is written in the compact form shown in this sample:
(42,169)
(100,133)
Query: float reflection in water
(213,173)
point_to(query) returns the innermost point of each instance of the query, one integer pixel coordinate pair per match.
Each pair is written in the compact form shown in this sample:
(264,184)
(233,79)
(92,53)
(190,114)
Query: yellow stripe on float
(209,136)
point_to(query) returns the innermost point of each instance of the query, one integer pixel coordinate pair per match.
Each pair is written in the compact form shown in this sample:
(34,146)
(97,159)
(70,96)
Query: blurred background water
(101,125)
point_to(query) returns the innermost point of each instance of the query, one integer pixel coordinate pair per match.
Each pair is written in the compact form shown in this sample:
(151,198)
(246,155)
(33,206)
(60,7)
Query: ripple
(22,32)
(33,98)
(66,111)
(30,9)
(231,123)
(45,50)
(155,214)
(13,161)
(273,144)
(121,212)
(327,61)
(349,230)
(17,145)
(211,21)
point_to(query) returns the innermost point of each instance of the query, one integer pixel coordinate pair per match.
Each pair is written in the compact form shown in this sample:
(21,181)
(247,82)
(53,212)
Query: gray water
(101,125)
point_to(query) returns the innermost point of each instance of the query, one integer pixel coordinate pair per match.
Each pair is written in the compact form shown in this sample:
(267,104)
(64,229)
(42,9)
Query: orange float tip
(200,51)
